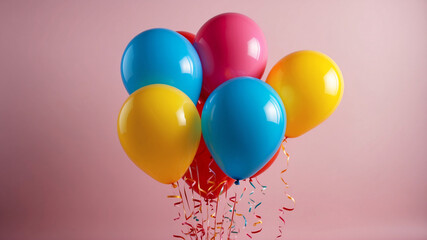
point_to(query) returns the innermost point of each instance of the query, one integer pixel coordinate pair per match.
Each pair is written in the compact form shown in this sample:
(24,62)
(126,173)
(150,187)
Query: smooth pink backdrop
(63,175)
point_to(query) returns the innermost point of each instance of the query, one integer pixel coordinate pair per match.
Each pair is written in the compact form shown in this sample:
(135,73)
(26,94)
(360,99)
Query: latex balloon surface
(159,129)
(267,166)
(243,124)
(230,45)
(162,56)
(189,36)
(311,87)
(204,176)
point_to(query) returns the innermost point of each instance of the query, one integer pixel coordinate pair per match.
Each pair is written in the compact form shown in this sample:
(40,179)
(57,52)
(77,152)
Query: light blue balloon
(243,125)
(162,56)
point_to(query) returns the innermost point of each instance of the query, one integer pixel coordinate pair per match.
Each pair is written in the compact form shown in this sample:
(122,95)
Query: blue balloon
(162,56)
(243,125)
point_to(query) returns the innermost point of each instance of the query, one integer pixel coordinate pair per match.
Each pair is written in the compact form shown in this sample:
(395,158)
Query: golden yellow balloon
(159,129)
(311,87)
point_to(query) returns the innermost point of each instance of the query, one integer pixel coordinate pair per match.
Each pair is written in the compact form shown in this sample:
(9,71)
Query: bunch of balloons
(183,86)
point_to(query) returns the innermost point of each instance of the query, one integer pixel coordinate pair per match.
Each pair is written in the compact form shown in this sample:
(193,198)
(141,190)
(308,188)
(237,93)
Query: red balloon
(189,36)
(204,176)
(266,166)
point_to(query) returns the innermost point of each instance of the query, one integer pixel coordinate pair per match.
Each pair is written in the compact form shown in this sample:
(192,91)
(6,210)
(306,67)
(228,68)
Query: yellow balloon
(311,87)
(159,129)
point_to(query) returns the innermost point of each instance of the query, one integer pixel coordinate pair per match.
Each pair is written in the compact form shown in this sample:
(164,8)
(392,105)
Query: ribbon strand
(285,209)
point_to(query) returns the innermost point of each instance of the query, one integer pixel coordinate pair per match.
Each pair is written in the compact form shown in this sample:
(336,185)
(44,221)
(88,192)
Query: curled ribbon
(202,219)
(253,205)
(285,209)
(197,218)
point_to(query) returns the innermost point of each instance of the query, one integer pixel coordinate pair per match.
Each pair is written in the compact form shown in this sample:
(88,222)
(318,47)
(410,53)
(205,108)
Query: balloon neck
(237,182)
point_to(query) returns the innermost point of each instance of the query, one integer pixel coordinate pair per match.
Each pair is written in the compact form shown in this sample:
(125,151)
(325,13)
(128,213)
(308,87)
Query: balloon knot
(237,182)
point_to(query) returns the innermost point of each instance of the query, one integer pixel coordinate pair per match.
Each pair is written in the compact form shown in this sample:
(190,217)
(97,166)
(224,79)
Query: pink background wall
(63,175)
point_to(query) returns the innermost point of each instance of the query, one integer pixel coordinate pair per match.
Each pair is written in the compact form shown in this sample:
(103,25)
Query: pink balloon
(230,45)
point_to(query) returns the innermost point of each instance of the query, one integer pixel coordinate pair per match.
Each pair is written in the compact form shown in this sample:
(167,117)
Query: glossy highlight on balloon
(230,45)
(162,56)
(159,129)
(311,86)
(243,125)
